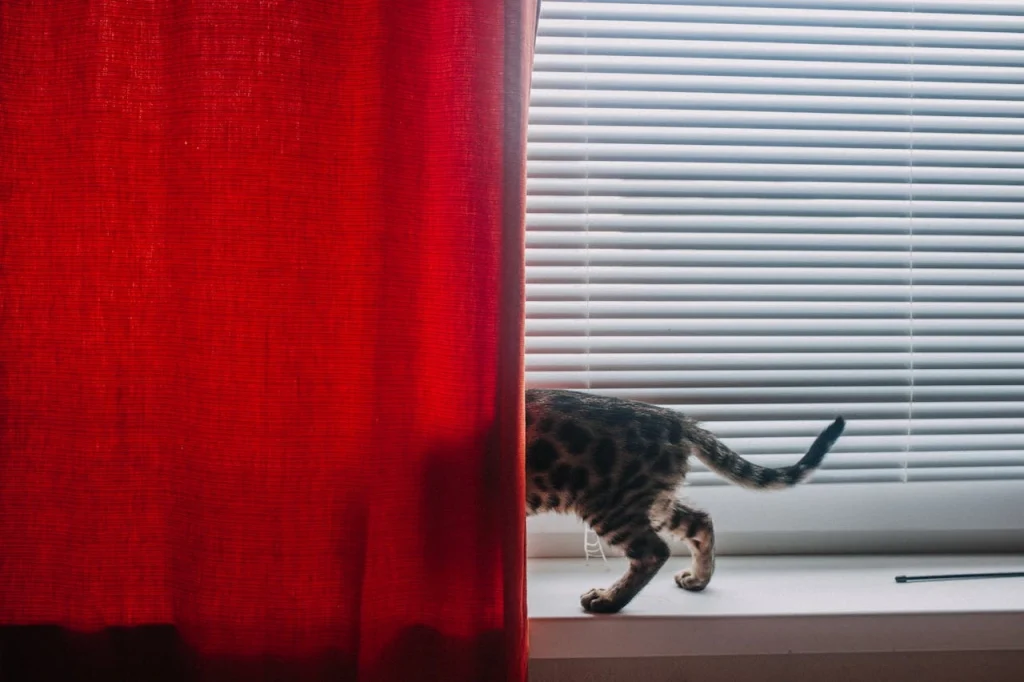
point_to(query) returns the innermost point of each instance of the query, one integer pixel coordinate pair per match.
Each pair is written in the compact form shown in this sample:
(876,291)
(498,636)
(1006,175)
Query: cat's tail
(724,461)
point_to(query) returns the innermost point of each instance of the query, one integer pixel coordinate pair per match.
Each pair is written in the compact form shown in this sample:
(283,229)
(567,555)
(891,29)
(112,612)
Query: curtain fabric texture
(260,339)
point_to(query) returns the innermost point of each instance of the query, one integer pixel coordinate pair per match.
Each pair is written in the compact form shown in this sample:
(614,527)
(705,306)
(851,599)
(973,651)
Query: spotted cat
(617,463)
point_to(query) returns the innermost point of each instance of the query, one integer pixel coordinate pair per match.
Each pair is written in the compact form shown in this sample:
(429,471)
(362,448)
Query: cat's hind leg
(694,527)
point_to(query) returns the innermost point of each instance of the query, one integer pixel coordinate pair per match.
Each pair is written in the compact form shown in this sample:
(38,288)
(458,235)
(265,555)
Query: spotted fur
(616,464)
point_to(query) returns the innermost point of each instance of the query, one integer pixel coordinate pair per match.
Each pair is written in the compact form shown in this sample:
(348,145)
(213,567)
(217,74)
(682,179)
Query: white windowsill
(778,605)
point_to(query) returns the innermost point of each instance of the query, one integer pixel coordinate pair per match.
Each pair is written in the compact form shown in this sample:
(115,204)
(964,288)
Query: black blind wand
(957,576)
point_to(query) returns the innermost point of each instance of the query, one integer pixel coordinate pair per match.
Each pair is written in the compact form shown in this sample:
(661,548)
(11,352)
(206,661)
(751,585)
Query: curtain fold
(261,339)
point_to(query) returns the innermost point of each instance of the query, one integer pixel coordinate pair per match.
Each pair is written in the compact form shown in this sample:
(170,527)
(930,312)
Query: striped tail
(722,460)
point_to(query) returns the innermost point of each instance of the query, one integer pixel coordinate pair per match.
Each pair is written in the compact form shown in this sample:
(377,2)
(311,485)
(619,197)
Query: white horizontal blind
(766,213)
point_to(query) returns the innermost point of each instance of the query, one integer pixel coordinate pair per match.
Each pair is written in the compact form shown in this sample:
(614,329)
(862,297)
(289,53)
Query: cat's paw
(688,581)
(599,601)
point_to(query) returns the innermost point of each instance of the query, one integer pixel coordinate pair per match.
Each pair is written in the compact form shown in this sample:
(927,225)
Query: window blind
(766,213)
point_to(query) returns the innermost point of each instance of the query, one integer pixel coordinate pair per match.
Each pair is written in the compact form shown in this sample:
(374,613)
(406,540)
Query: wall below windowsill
(781,605)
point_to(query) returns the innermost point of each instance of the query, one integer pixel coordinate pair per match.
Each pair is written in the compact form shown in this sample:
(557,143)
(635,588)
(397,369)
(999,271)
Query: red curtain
(260,339)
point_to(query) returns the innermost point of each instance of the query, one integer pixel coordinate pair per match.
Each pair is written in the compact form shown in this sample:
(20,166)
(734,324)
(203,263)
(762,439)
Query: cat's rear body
(617,464)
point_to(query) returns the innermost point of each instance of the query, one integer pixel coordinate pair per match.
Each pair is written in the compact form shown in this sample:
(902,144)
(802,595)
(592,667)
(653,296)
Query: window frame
(950,516)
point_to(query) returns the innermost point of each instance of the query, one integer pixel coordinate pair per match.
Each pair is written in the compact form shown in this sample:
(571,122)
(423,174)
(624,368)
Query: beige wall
(995,666)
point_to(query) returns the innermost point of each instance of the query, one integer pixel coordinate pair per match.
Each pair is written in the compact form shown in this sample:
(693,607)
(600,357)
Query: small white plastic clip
(592,546)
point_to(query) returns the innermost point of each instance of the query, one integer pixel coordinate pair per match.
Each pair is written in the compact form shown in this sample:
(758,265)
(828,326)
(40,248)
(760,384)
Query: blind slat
(900,52)
(732,118)
(691,394)
(774,240)
(769,275)
(619,173)
(540,362)
(898,340)
(776,326)
(897,412)
(839,310)
(615,188)
(1005,7)
(774,102)
(766,257)
(598,151)
(784,15)
(849,87)
(795,33)
(899,71)
(708,223)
